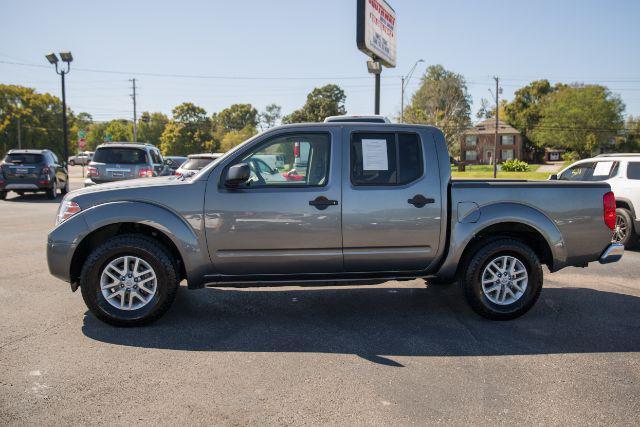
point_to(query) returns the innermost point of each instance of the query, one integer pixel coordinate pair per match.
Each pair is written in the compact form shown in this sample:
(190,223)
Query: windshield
(590,171)
(126,156)
(24,158)
(195,164)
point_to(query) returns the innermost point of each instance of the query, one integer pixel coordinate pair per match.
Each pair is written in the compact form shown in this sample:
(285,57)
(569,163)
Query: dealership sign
(376,31)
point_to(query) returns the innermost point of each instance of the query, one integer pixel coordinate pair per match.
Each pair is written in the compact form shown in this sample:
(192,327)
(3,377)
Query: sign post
(82,144)
(376,38)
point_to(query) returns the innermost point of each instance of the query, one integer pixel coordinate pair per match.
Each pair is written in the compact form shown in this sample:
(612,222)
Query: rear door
(391,201)
(282,223)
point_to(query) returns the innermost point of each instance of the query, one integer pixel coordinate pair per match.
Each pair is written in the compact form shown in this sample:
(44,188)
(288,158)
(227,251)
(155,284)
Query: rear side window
(126,156)
(633,170)
(24,158)
(385,159)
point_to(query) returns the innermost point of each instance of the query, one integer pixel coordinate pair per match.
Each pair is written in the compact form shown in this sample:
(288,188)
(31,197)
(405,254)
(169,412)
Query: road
(400,353)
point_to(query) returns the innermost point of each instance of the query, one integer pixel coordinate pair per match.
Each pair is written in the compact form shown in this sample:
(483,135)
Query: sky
(215,53)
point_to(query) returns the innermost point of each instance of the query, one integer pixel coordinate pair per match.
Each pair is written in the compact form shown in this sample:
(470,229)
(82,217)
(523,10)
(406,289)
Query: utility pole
(135,115)
(53,60)
(495,143)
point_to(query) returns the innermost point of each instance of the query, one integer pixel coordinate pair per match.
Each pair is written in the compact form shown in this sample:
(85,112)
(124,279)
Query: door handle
(322,202)
(420,201)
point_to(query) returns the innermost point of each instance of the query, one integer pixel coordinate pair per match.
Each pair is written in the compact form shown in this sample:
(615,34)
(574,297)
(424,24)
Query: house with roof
(478,143)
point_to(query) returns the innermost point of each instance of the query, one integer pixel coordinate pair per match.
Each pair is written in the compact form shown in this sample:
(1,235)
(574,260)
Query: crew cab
(376,202)
(622,172)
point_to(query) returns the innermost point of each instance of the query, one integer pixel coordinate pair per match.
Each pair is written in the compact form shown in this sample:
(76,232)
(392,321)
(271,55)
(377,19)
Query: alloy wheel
(504,280)
(128,283)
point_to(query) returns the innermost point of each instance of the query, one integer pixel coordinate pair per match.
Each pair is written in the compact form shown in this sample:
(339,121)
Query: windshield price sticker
(374,155)
(602,169)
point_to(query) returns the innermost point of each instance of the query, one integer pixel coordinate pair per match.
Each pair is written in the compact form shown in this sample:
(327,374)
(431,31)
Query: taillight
(92,171)
(296,149)
(609,204)
(145,173)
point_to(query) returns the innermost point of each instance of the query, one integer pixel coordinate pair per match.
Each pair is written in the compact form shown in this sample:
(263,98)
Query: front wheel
(503,279)
(129,280)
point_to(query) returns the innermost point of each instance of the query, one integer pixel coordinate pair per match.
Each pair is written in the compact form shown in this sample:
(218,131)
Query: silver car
(118,161)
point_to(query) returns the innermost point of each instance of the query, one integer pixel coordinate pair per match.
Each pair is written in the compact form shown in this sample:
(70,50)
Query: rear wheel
(502,280)
(624,232)
(72,163)
(3,195)
(129,281)
(52,193)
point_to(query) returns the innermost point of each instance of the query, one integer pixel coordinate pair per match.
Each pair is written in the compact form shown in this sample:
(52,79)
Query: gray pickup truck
(375,202)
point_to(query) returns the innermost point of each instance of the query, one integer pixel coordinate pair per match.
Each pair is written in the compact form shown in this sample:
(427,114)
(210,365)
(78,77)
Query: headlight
(67,210)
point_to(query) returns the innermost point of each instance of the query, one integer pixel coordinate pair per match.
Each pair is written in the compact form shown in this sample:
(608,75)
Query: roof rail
(619,155)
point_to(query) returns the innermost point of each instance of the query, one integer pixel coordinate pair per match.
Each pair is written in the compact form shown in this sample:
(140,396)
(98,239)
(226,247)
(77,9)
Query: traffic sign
(82,134)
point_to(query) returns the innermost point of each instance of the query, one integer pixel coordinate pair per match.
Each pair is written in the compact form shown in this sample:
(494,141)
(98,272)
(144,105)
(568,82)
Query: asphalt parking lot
(400,353)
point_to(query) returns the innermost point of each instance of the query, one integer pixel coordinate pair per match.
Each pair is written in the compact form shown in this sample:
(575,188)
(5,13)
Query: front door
(391,203)
(286,219)
(488,156)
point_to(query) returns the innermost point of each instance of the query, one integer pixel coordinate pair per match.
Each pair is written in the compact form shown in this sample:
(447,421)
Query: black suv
(30,171)
(116,161)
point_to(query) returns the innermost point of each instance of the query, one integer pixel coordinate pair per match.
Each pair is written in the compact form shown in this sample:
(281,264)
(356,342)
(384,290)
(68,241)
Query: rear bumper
(613,253)
(25,185)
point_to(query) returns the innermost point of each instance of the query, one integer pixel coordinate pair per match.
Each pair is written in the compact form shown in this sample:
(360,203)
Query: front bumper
(613,253)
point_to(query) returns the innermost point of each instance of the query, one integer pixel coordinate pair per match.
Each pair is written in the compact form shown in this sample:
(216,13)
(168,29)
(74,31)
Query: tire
(486,302)
(150,252)
(72,163)
(65,189)
(52,193)
(624,232)
(3,195)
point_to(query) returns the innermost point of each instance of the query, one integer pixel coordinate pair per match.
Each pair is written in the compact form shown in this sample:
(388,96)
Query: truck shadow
(381,322)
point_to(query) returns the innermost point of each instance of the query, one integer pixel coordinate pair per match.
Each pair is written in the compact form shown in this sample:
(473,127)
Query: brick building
(477,143)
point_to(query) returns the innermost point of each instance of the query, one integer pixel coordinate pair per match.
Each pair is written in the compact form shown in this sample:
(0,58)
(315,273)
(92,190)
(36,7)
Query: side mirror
(237,174)
(553,177)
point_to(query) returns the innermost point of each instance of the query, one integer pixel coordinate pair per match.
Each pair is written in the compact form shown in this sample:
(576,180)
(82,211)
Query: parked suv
(117,161)
(29,171)
(622,173)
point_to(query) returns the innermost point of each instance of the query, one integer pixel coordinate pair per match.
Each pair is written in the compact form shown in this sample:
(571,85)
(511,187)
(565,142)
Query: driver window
(300,160)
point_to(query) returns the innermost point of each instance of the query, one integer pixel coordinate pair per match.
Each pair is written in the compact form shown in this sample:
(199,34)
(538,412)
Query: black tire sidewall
(473,279)
(92,294)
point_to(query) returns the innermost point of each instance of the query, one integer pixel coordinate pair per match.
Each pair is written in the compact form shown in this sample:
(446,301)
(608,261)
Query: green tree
(34,116)
(270,116)
(120,130)
(443,101)
(321,102)
(236,117)
(188,132)
(578,118)
(151,126)
(96,135)
(235,137)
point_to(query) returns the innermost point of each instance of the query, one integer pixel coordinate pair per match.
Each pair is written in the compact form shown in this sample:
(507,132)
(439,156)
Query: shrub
(515,165)
(570,156)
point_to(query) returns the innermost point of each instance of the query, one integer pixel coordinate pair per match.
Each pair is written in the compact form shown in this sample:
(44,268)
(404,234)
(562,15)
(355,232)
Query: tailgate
(18,171)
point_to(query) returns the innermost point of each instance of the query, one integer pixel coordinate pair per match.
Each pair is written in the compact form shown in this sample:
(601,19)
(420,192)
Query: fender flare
(463,232)
(158,217)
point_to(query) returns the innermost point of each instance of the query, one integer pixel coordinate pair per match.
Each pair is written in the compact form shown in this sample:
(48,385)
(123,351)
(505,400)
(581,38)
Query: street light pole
(53,60)
(405,83)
